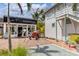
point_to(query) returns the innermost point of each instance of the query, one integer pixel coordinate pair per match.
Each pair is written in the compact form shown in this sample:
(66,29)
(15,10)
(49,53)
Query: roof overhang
(74,18)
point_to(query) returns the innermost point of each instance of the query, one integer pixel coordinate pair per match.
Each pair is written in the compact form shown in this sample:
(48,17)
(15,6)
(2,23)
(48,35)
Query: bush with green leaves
(72,42)
(20,52)
(77,40)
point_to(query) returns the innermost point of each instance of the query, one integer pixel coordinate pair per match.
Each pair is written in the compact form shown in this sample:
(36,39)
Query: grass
(19,51)
(4,52)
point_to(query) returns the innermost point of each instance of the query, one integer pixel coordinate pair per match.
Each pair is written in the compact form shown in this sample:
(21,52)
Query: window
(53,24)
(12,30)
(68,21)
(33,28)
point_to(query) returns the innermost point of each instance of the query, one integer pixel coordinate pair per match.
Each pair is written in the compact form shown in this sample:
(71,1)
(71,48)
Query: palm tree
(8,18)
(40,17)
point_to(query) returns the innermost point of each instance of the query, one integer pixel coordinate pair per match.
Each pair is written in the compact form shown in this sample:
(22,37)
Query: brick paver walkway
(33,43)
(23,42)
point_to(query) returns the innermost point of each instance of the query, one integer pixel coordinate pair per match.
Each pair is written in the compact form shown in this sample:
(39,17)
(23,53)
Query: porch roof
(72,17)
(20,20)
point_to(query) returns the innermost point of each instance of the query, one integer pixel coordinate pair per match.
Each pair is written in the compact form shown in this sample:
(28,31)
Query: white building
(20,27)
(61,21)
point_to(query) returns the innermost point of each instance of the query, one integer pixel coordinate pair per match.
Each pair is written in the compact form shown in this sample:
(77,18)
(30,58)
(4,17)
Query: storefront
(19,27)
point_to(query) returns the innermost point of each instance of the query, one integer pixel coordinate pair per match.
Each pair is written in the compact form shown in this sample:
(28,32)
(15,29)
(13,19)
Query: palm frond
(41,12)
(43,17)
(20,8)
(33,16)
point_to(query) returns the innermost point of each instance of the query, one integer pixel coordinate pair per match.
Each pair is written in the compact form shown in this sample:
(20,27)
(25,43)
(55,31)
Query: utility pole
(9,32)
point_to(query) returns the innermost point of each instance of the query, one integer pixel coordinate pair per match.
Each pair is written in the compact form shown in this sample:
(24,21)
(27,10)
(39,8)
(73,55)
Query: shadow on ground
(44,50)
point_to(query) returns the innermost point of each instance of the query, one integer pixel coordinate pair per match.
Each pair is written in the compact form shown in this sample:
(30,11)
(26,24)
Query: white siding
(49,30)
(51,18)
(59,31)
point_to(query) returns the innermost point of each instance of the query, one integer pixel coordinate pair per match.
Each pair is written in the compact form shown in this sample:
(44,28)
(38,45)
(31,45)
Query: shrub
(77,40)
(72,42)
(74,37)
(20,51)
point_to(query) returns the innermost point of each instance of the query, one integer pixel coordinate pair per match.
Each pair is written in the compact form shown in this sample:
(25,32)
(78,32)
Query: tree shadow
(44,50)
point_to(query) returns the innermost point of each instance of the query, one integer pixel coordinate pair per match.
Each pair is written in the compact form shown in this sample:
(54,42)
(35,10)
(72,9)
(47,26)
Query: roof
(20,20)
(75,18)
(52,7)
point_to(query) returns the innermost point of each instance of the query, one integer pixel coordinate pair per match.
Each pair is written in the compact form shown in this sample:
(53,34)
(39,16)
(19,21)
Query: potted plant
(72,44)
(77,45)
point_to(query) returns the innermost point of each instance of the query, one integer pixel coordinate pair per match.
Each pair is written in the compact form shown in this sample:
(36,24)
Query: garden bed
(61,43)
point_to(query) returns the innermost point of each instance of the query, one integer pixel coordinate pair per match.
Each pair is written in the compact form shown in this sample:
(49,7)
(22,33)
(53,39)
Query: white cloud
(43,6)
(15,11)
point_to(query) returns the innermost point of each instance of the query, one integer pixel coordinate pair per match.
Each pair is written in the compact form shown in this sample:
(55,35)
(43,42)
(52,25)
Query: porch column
(65,28)
(31,27)
(16,30)
(56,29)
(4,29)
(27,31)
(35,27)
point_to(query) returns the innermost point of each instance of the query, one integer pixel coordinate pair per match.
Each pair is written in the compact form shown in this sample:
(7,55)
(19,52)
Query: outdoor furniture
(35,34)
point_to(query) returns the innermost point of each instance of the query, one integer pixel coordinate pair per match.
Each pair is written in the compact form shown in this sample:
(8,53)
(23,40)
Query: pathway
(50,50)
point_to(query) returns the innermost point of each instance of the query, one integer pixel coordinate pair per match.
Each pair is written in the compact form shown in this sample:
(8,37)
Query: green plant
(4,52)
(72,42)
(20,51)
(77,40)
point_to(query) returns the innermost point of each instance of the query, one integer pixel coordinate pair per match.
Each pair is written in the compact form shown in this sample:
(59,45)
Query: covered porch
(17,29)
(68,24)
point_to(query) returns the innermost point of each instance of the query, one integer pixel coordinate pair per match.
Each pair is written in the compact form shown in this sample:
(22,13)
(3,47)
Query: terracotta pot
(72,46)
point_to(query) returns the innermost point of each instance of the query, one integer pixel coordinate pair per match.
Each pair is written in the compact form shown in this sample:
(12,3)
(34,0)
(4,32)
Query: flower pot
(72,46)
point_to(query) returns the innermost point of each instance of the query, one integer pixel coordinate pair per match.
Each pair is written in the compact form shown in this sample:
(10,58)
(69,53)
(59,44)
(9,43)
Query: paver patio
(23,42)
(46,46)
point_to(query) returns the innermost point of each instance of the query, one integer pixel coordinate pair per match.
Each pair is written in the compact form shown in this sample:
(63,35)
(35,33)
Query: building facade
(20,27)
(61,20)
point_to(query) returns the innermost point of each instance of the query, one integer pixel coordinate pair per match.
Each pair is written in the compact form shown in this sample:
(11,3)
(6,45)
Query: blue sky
(15,11)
